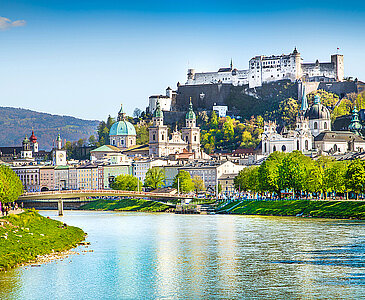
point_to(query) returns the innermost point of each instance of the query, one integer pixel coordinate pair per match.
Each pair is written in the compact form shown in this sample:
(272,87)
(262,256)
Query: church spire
(231,64)
(355,125)
(121,114)
(304,105)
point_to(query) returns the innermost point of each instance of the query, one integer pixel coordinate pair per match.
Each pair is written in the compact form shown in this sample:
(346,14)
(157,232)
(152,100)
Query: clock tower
(59,155)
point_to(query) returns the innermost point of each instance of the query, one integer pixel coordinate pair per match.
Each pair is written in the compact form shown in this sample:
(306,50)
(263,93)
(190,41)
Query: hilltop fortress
(265,69)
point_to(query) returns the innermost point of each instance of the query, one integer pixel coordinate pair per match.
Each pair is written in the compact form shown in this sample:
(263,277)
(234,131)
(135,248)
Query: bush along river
(167,256)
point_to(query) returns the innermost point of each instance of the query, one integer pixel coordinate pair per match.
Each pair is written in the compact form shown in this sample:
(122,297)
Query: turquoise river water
(167,256)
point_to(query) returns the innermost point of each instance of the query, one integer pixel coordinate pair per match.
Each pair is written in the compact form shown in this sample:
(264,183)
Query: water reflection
(163,256)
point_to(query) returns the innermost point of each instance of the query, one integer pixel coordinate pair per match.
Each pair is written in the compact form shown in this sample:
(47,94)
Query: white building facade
(263,69)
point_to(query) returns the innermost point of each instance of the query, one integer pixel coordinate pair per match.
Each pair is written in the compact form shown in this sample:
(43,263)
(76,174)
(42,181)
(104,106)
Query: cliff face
(15,123)
(240,99)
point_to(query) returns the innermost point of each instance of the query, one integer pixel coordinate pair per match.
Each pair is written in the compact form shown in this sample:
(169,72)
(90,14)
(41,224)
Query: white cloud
(6,23)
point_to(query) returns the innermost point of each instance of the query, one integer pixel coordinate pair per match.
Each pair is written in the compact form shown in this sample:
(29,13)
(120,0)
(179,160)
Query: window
(265,148)
(306,144)
(195,138)
(283,148)
(297,145)
(162,137)
(154,137)
(325,125)
(335,148)
(315,125)
(274,149)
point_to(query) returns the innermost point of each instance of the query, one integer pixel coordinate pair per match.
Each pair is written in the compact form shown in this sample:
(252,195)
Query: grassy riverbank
(320,209)
(25,236)
(126,205)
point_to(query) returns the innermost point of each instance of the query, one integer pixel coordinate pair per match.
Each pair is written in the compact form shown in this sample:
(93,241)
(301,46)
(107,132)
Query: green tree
(10,185)
(288,111)
(213,120)
(142,133)
(92,141)
(198,183)
(247,179)
(328,99)
(268,173)
(334,177)
(185,182)
(355,176)
(126,183)
(155,178)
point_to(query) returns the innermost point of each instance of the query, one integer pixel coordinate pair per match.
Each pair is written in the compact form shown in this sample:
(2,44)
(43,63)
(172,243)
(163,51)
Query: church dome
(122,128)
(33,138)
(317,110)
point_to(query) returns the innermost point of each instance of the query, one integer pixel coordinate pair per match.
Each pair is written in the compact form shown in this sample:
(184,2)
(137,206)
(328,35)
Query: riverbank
(126,205)
(304,208)
(25,236)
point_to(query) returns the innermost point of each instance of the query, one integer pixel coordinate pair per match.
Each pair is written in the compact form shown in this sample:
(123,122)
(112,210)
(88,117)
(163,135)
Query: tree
(355,176)
(247,180)
(268,173)
(185,183)
(328,99)
(137,112)
(10,185)
(288,111)
(92,141)
(334,177)
(198,183)
(142,134)
(214,120)
(155,178)
(126,183)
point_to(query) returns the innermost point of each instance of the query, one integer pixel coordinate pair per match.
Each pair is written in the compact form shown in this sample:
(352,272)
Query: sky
(84,58)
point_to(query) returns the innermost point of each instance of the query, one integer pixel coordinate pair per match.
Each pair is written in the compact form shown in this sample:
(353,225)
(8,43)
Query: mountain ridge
(16,123)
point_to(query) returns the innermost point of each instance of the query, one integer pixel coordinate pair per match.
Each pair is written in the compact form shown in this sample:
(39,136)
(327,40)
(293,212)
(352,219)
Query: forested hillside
(15,123)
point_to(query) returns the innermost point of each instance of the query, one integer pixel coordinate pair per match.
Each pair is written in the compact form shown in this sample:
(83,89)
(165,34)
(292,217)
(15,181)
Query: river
(167,256)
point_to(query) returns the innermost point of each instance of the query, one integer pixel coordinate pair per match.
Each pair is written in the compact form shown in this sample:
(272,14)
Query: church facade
(160,144)
(313,133)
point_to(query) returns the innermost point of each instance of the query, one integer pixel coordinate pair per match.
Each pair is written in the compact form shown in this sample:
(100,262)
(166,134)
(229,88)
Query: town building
(164,100)
(122,134)
(264,69)
(140,167)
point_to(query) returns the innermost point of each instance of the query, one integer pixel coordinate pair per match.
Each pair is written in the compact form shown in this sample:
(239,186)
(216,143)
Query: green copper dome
(122,128)
(26,140)
(190,115)
(158,112)
(355,125)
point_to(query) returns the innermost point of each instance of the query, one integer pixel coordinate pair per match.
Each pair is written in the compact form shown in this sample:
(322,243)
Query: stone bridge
(73,199)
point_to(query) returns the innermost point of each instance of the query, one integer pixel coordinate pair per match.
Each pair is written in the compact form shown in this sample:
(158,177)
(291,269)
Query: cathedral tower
(191,133)
(158,134)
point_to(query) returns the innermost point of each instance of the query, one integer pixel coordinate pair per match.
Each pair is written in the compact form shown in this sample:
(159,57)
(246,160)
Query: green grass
(29,234)
(126,205)
(323,209)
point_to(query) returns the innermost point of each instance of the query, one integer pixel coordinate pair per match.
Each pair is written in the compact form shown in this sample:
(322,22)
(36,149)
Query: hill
(15,123)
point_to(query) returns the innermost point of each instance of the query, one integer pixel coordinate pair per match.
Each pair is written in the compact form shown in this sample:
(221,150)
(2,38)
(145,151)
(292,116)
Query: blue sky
(85,58)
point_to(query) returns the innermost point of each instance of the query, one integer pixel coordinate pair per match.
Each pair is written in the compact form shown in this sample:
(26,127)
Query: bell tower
(158,134)
(191,133)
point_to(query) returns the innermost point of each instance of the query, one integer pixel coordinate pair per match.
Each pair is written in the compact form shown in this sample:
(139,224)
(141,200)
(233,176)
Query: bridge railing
(116,192)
